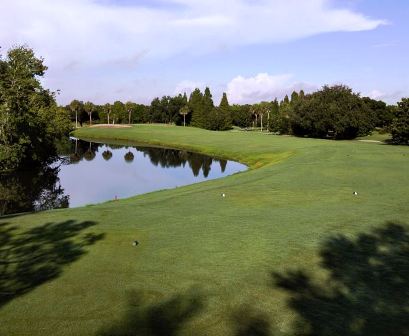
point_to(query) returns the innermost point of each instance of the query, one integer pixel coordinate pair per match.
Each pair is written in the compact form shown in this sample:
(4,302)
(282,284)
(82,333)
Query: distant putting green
(201,259)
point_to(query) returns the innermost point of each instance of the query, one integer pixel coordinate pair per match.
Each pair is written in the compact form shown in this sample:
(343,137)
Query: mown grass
(274,217)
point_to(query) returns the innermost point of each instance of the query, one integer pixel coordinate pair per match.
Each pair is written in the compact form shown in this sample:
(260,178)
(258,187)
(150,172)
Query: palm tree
(107,108)
(184,111)
(89,108)
(75,106)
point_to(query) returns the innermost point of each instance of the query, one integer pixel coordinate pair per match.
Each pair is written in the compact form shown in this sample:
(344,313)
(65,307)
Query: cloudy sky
(107,50)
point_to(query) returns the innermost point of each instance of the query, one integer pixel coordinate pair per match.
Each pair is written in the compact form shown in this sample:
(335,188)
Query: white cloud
(264,87)
(92,32)
(83,37)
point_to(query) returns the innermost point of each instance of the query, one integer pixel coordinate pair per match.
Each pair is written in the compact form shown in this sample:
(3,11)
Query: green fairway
(203,260)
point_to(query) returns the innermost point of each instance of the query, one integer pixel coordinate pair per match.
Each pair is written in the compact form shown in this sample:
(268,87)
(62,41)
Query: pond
(90,173)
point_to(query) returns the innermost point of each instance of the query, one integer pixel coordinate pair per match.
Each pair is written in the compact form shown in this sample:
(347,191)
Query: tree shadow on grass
(170,317)
(32,257)
(249,322)
(166,318)
(367,290)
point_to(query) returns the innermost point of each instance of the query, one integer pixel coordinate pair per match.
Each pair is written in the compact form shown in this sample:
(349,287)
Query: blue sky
(254,50)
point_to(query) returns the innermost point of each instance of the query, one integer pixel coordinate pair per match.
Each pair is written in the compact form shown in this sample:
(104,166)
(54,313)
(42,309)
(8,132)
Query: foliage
(400,125)
(241,115)
(261,112)
(198,110)
(219,118)
(333,111)
(77,111)
(382,113)
(167,109)
(30,120)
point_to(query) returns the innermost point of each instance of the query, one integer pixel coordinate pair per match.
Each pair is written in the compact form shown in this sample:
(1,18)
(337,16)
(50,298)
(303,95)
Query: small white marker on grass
(223,195)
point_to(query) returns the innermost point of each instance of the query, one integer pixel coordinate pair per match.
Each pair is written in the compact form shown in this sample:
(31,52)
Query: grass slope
(202,260)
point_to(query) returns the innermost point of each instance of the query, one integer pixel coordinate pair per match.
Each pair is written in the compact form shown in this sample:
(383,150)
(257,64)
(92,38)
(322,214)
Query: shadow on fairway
(366,293)
(32,257)
(170,317)
(166,318)
(249,322)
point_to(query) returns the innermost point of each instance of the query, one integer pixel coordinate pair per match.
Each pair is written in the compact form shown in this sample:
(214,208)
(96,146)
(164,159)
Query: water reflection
(31,191)
(90,173)
(163,157)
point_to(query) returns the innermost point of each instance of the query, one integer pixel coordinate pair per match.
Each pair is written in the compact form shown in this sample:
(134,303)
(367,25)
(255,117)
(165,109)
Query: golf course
(188,261)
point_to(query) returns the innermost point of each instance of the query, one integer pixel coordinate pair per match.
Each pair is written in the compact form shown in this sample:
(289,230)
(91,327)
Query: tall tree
(294,97)
(107,110)
(196,106)
(225,110)
(89,108)
(184,111)
(208,107)
(29,117)
(130,108)
(75,107)
(119,112)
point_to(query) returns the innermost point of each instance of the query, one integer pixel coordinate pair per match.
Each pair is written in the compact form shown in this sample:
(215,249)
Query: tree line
(332,112)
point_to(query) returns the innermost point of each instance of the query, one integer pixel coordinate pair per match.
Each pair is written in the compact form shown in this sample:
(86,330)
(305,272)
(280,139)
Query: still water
(90,173)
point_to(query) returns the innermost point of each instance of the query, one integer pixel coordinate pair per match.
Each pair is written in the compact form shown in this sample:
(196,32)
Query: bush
(400,125)
(334,111)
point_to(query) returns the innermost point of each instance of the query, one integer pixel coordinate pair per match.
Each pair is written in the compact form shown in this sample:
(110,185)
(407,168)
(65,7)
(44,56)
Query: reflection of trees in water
(163,157)
(129,157)
(83,150)
(89,155)
(35,190)
(167,158)
(107,155)
(223,164)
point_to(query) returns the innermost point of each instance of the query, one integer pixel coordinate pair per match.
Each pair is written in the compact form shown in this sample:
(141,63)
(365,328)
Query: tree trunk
(108,118)
(268,121)
(76,119)
(90,118)
(129,117)
(184,120)
(261,119)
